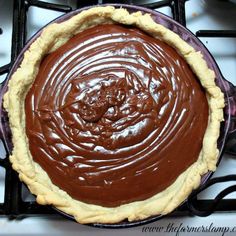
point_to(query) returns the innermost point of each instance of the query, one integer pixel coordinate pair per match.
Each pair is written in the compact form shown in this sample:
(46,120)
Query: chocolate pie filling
(115,116)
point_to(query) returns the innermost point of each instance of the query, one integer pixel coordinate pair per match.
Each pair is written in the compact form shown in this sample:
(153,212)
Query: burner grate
(13,205)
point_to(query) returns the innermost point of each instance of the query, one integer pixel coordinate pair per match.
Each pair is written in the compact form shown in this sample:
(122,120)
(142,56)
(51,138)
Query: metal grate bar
(158,4)
(12,198)
(225,205)
(2,162)
(34,208)
(50,6)
(85,3)
(178,11)
(5,69)
(216,33)
(19,28)
(2,210)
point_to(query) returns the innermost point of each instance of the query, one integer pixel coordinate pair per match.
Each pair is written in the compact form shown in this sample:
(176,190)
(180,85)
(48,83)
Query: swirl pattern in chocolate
(115,116)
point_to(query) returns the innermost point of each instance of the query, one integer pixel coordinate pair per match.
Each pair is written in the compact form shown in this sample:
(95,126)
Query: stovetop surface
(200,15)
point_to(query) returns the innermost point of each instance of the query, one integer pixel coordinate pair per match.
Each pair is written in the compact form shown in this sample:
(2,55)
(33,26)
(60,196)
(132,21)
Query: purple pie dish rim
(186,35)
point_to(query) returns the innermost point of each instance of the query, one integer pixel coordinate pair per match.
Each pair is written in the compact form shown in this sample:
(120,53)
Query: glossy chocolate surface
(115,116)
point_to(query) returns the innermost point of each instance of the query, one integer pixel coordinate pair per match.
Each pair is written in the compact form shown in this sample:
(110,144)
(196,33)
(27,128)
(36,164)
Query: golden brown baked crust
(52,37)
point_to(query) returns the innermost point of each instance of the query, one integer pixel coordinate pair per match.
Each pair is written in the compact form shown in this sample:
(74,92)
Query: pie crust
(52,37)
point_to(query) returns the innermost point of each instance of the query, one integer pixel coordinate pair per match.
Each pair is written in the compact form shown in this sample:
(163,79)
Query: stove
(213,21)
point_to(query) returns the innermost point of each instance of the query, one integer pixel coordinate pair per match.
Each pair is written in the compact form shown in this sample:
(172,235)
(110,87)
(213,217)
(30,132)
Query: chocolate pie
(113,117)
